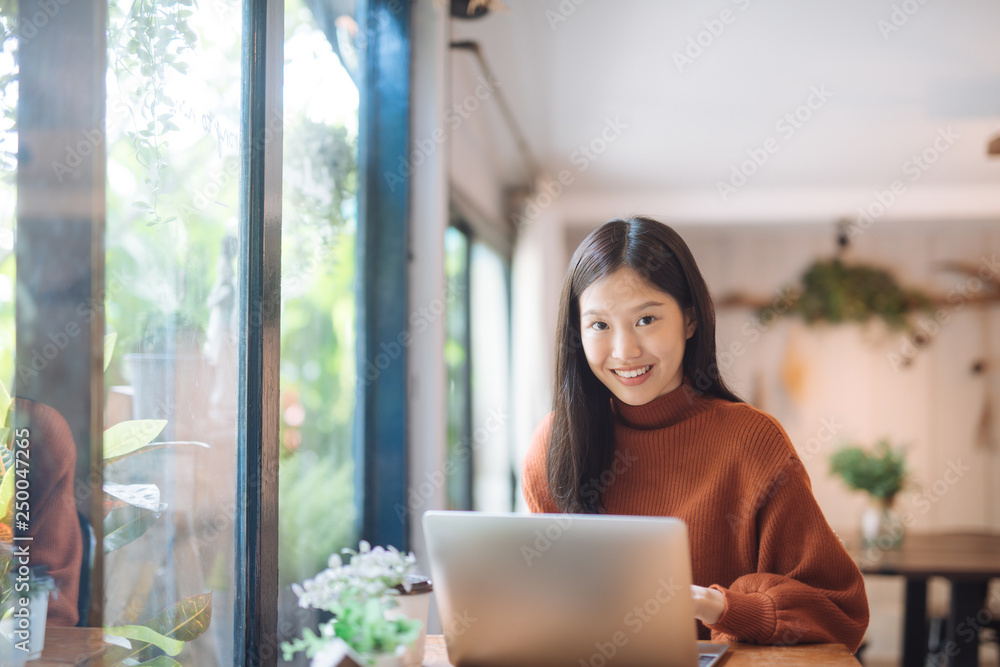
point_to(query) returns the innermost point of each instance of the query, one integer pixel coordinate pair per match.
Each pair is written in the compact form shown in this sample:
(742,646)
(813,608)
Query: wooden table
(804,655)
(82,646)
(968,560)
(70,646)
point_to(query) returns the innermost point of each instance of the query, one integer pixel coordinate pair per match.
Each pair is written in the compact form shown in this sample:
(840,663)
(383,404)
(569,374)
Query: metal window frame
(383,247)
(381,440)
(256,558)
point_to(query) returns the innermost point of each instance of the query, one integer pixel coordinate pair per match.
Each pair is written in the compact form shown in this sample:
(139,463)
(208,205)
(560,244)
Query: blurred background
(835,169)
(775,137)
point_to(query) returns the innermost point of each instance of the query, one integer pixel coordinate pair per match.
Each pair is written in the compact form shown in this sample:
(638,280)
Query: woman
(643,424)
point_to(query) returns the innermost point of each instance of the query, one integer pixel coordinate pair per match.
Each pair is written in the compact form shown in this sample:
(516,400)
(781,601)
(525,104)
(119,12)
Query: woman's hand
(709,604)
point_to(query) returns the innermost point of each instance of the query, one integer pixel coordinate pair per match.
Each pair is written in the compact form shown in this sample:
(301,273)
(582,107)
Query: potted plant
(882,474)
(379,604)
(23,613)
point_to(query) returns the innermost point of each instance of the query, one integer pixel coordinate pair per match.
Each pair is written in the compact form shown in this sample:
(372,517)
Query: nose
(626,345)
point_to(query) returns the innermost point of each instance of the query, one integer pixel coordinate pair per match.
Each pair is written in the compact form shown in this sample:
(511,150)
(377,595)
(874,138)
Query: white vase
(414,605)
(15,648)
(881,526)
(336,651)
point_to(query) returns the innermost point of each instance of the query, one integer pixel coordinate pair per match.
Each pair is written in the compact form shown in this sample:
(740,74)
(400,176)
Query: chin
(635,399)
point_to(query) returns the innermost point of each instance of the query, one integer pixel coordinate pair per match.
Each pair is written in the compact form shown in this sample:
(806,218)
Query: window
(317,514)
(138,140)
(477,355)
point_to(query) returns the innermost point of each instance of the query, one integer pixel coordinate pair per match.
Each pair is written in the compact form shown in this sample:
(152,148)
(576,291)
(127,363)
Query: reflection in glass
(318,341)
(459,450)
(173,160)
(489,312)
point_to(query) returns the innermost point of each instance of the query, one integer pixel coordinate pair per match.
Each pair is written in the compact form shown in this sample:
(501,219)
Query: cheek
(592,351)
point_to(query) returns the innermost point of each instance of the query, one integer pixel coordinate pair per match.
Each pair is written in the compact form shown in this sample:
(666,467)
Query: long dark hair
(581,446)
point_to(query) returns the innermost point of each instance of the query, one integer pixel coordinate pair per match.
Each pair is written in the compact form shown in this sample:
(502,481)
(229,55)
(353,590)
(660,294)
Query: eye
(599,326)
(645,320)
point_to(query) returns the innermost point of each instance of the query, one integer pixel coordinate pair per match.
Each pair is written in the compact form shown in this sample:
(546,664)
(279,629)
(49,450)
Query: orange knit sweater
(729,471)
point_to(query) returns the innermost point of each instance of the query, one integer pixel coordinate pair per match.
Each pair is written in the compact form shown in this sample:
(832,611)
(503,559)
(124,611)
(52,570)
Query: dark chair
(86,564)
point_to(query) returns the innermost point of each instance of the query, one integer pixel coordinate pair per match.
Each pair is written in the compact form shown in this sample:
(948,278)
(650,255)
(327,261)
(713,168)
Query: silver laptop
(553,590)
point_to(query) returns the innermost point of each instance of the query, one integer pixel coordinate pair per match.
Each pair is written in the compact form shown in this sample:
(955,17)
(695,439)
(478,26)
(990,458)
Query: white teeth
(633,374)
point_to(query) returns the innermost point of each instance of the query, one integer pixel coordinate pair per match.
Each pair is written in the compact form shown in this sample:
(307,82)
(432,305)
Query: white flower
(369,573)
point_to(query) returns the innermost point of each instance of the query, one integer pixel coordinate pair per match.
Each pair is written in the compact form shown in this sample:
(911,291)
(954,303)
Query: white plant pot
(415,606)
(337,651)
(13,642)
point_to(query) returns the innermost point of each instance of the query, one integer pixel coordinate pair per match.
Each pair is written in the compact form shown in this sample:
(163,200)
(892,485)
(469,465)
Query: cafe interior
(280,276)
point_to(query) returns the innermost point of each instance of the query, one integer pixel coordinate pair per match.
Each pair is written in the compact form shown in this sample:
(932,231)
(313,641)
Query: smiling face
(633,336)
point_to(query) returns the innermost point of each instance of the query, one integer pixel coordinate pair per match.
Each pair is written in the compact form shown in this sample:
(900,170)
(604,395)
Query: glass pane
(316,508)
(162,175)
(173,157)
(456,357)
(490,317)
(8,190)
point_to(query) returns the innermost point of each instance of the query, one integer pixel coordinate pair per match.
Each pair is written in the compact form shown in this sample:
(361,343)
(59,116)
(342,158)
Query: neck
(671,408)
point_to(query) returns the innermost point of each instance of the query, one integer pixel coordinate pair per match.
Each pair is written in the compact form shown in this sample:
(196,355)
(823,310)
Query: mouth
(632,373)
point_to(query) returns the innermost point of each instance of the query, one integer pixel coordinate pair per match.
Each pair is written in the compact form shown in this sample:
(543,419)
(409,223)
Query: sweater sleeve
(806,588)
(534,478)
(55,528)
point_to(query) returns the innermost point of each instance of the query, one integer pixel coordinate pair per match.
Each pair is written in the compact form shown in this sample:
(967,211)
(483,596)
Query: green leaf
(5,401)
(6,492)
(109,347)
(126,525)
(6,448)
(148,635)
(186,619)
(128,436)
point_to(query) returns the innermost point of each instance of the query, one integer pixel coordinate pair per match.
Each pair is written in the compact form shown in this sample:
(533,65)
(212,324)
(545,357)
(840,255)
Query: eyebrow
(644,306)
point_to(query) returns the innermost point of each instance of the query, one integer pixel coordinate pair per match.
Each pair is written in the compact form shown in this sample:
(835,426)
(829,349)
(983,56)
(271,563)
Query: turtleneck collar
(663,411)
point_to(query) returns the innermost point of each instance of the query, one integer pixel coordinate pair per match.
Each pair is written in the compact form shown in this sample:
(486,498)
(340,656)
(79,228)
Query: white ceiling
(891,91)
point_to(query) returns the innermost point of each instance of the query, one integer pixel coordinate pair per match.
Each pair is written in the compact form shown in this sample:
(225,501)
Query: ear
(690,323)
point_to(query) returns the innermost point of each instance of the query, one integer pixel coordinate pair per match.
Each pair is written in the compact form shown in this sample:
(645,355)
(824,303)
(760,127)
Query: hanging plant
(835,292)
